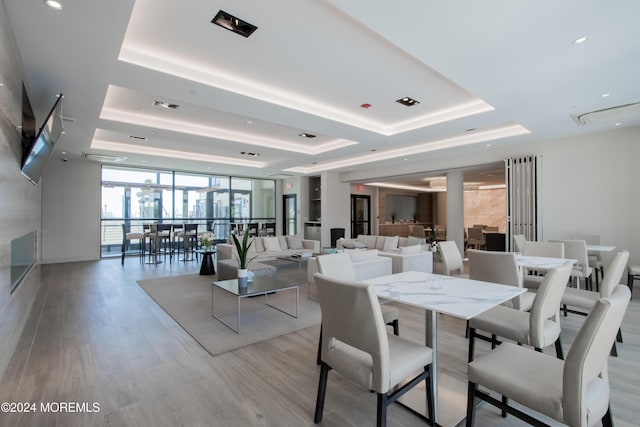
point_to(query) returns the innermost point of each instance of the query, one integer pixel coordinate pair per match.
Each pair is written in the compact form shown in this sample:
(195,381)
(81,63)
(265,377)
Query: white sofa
(406,253)
(367,265)
(269,248)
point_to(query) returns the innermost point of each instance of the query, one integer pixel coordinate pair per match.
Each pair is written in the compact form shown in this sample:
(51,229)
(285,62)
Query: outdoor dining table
(455,296)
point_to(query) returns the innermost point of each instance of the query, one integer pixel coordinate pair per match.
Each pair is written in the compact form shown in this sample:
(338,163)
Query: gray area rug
(187,299)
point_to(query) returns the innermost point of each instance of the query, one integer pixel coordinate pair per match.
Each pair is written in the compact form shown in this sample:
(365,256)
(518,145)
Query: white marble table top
(456,296)
(542,262)
(600,248)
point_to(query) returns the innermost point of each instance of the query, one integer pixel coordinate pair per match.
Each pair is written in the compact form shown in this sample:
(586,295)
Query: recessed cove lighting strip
(198,129)
(278,96)
(162,152)
(504,131)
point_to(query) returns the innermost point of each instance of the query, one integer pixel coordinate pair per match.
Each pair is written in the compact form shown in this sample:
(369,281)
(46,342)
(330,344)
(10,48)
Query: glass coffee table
(261,285)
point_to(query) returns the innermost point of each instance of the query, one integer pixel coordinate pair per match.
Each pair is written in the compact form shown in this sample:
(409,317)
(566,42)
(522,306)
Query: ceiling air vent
(610,116)
(104,158)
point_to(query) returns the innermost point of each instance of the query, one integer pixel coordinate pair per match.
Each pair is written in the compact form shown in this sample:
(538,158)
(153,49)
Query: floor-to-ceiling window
(136,197)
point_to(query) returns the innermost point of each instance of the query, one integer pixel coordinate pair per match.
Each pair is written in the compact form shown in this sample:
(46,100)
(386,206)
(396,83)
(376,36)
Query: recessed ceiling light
(618,124)
(1,84)
(580,40)
(165,104)
(139,138)
(53,4)
(307,135)
(409,102)
(488,145)
(231,23)
(605,95)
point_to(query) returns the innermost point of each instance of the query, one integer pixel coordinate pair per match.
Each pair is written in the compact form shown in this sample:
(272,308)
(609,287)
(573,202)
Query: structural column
(455,208)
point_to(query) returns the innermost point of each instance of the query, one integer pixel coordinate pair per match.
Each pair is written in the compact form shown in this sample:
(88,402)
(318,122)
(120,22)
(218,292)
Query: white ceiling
(490,72)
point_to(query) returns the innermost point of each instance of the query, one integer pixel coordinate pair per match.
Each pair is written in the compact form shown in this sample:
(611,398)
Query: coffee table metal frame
(259,286)
(300,261)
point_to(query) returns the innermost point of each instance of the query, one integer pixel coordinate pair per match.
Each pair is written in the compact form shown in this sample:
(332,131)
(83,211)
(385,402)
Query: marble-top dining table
(542,263)
(455,296)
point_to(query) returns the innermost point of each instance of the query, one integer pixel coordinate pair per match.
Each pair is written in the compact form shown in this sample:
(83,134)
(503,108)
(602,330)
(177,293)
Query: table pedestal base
(452,400)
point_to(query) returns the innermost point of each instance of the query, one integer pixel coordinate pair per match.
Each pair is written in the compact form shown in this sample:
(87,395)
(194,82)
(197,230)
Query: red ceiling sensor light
(366,106)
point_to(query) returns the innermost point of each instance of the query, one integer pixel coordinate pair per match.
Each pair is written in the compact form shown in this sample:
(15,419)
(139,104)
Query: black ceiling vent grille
(231,23)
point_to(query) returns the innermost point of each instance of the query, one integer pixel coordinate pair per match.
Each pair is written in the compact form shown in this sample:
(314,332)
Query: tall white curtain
(522,197)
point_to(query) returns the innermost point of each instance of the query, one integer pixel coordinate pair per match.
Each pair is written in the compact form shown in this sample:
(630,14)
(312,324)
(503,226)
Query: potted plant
(207,240)
(243,261)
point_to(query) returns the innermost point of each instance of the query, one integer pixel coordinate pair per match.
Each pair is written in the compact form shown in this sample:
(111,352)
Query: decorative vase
(243,277)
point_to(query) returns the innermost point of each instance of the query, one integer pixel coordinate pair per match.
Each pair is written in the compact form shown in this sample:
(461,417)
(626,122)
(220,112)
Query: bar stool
(127,237)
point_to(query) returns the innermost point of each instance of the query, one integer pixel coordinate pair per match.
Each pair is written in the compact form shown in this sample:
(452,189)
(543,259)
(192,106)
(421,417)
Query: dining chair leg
(494,341)
(396,327)
(429,381)
(472,343)
(559,352)
(471,407)
(607,420)
(319,356)
(505,402)
(381,413)
(322,391)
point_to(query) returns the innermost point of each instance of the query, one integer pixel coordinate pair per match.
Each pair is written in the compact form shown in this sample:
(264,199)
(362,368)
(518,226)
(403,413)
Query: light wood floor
(95,336)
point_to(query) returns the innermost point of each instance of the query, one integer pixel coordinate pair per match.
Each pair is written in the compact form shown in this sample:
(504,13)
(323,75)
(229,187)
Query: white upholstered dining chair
(531,279)
(499,267)
(518,242)
(451,258)
(574,392)
(339,266)
(355,343)
(577,249)
(581,301)
(538,328)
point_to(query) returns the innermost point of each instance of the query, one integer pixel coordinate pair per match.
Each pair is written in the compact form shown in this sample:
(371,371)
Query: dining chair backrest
(585,368)
(496,267)
(475,233)
(545,249)
(576,249)
(518,242)
(418,231)
(191,229)
(351,315)
(546,304)
(337,265)
(591,239)
(451,258)
(614,273)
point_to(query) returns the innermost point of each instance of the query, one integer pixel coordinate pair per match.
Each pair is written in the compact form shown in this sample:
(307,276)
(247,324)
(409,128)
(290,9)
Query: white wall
(20,201)
(71,211)
(590,186)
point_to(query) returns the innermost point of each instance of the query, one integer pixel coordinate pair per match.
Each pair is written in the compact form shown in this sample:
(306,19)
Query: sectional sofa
(406,253)
(270,248)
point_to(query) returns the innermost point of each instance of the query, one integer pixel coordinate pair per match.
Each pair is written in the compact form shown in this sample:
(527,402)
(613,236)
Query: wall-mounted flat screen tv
(36,156)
